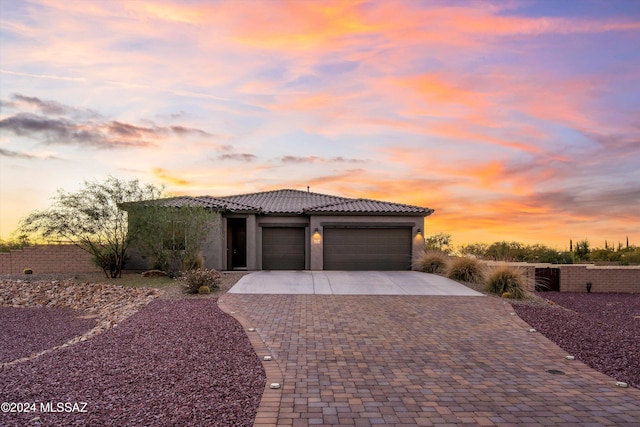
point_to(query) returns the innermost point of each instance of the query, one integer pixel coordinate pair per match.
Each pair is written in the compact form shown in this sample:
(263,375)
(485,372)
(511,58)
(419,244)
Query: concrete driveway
(349,283)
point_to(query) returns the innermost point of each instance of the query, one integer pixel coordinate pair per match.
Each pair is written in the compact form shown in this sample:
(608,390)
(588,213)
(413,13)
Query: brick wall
(47,259)
(574,278)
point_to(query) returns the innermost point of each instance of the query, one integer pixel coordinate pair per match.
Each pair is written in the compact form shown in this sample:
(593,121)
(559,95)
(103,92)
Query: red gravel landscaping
(26,331)
(175,362)
(602,330)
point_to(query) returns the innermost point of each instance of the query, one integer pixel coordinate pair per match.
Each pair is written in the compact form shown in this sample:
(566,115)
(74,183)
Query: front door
(236,243)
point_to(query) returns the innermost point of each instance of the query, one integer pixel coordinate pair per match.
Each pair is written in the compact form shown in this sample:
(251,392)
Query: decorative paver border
(267,413)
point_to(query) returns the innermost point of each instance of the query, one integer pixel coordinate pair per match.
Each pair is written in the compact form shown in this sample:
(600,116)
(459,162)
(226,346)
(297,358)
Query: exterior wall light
(418,239)
(317,238)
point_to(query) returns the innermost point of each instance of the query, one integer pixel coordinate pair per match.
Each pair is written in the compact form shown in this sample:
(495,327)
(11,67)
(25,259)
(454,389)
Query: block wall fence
(47,259)
(574,277)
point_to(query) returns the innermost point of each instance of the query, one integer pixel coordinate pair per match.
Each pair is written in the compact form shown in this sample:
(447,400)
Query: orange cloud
(329,25)
(295,25)
(164,176)
(435,90)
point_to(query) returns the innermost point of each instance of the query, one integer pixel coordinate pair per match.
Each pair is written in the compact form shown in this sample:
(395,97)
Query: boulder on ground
(155,273)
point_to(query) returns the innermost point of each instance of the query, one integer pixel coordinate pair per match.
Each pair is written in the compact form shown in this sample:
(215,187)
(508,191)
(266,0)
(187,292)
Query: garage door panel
(367,248)
(283,248)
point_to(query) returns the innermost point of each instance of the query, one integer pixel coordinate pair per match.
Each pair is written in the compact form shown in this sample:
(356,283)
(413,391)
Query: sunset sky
(514,120)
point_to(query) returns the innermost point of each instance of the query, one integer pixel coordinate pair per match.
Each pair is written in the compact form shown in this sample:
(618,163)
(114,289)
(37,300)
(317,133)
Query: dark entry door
(236,243)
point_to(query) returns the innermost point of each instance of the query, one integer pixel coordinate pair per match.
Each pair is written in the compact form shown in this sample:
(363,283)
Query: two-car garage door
(349,248)
(344,248)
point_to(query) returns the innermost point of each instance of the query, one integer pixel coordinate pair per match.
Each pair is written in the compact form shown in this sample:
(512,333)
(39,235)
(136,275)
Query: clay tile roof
(284,201)
(366,206)
(231,205)
(177,202)
(295,202)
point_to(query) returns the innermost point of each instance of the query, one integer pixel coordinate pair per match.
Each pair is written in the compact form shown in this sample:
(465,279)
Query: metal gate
(547,279)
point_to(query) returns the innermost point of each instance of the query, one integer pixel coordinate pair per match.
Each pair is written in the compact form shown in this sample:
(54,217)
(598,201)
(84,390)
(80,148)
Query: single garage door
(367,248)
(283,248)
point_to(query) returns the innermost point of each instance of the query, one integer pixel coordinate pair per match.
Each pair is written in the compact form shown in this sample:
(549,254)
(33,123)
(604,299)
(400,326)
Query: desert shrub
(630,255)
(193,261)
(194,279)
(434,262)
(161,262)
(13,245)
(203,290)
(507,280)
(439,242)
(466,269)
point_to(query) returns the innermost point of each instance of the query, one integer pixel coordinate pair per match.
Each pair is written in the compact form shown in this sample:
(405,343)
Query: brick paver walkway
(419,361)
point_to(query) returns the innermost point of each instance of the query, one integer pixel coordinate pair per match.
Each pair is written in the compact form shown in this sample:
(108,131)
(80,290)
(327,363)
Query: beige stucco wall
(213,248)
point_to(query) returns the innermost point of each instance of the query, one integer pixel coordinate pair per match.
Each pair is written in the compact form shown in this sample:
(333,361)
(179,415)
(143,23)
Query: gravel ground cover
(602,330)
(181,361)
(175,362)
(26,331)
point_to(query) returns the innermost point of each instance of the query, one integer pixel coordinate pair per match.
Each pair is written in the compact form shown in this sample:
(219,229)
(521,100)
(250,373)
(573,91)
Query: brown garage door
(367,248)
(283,248)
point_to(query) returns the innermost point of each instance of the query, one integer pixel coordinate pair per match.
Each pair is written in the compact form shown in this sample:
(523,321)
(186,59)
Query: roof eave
(369,213)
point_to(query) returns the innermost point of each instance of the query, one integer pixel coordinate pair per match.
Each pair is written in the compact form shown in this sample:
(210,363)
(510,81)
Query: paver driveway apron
(415,360)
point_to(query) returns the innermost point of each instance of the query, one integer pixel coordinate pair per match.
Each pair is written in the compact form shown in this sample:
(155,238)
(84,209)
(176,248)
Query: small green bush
(434,262)
(507,280)
(203,290)
(194,279)
(465,269)
(193,261)
(27,271)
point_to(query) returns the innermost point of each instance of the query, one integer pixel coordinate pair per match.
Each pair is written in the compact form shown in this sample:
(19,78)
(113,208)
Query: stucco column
(417,243)
(316,241)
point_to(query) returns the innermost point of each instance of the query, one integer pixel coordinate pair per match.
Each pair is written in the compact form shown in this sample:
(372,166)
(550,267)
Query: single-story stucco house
(303,230)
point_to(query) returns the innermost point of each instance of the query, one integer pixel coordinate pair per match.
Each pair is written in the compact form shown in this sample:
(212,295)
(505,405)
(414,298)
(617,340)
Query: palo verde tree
(171,236)
(91,219)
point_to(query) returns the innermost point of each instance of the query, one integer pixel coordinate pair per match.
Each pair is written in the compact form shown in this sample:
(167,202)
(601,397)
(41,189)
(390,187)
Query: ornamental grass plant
(432,261)
(464,269)
(507,280)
